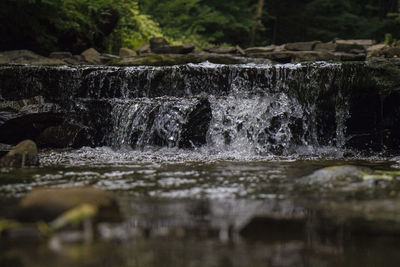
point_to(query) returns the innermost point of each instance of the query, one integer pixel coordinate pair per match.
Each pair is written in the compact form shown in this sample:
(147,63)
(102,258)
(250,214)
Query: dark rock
(64,136)
(91,56)
(173,49)
(26,118)
(22,155)
(144,49)
(46,204)
(301,46)
(126,52)
(157,42)
(60,55)
(390,52)
(194,131)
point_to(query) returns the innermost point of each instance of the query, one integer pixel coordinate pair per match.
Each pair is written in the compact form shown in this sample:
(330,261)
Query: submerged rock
(349,181)
(49,203)
(22,155)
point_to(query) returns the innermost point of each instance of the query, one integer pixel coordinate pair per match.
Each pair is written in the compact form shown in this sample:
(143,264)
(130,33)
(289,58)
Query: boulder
(91,56)
(4,59)
(28,57)
(263,49)
(60,55)
(46,204)
(301,46)
(63,136)
(390,52)
(126,52)
(157,42)
(375,50)
(174,49)
(22,155)
(107,58)
(143,50)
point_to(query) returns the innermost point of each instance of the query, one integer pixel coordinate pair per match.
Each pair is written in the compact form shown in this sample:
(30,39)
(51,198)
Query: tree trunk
(258,21)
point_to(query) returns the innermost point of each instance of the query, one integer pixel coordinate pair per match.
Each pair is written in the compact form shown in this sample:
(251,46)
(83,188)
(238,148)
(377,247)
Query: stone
(374,50)
(22,155)
(361,42)
(63,136)
(347,47)
(330,46)
(46,204)
(301,46)
(126,52)
(174,49)
(60,55)
(20,54)
(144,49)
(390,52)
(91,56)
(4,59)
(107,58)
(157,42)
(263,49)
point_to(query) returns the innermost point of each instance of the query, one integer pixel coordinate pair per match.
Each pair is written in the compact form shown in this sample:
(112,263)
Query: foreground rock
(48,204)
(22,155)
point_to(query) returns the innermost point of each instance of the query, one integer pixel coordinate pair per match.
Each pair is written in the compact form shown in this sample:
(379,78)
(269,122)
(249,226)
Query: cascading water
(254,109)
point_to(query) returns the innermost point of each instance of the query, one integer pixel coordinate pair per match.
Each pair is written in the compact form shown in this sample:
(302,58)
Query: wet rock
(194,131)
(126,52)
(174,49)
(63,136)
(22,155)
(48,203)
(91,56)
(301,46)
(144,49)
(157,42)
(60,55)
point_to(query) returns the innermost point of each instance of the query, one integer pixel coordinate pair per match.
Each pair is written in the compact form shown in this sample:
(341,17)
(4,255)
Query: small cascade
(255,109)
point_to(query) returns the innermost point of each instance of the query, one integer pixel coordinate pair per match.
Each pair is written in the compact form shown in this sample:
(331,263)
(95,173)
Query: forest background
(107,25)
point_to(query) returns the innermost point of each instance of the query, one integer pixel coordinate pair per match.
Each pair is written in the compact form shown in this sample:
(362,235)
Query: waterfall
(261,109)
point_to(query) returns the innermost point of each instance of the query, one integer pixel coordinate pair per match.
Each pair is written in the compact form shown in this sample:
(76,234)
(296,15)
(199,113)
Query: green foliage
(134,28)
(203,21)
